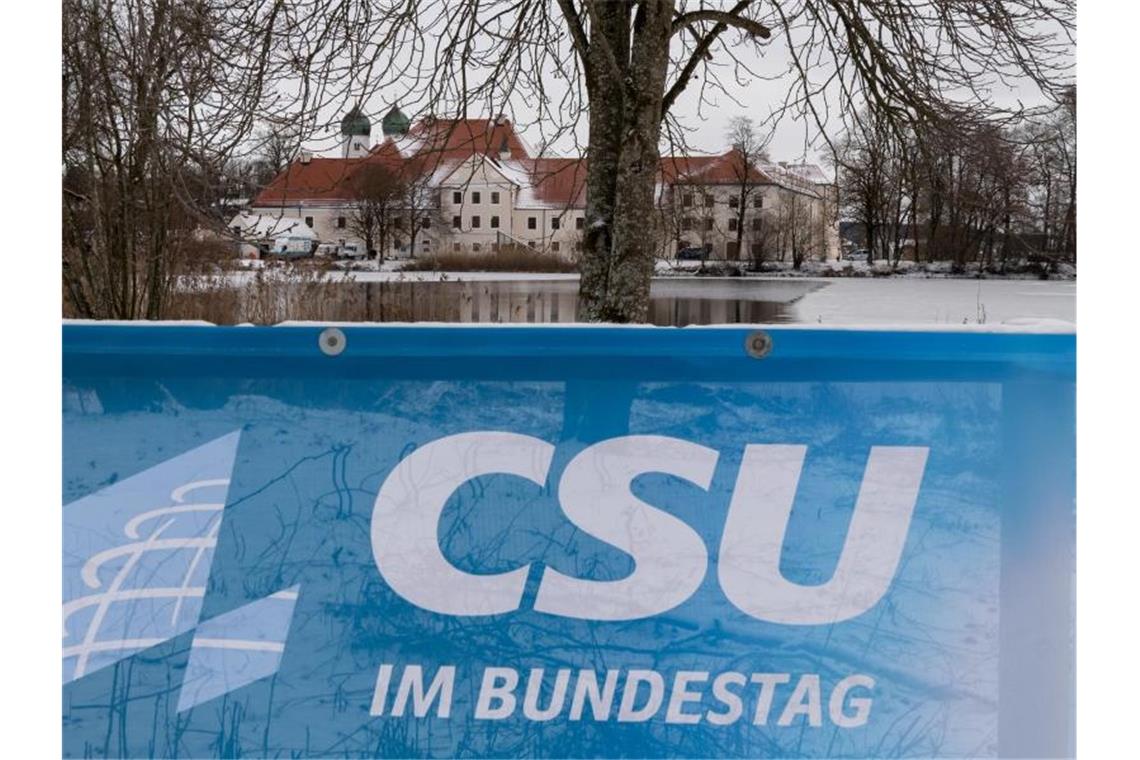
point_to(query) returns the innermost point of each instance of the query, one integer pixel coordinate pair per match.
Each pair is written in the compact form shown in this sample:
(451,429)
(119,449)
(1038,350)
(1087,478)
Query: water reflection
(673,302)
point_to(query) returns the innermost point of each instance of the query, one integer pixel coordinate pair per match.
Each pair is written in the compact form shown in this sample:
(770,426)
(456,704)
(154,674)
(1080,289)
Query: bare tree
(155,85)
(976,192)
(871,171)
(380,201)
(747,151)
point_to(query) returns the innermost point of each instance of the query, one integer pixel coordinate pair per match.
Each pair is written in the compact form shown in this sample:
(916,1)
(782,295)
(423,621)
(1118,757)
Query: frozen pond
(875,301)
(534,298)
(705,300)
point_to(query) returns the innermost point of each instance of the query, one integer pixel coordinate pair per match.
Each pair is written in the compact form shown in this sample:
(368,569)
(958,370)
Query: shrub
(512,259)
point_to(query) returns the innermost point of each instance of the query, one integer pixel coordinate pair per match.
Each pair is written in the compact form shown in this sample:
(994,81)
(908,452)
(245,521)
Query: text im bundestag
(684,697)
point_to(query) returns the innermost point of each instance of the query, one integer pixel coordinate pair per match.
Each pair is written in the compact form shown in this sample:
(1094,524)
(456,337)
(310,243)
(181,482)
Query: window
(709,201)
(530,244)
(532,223)
(555,223)
(495,197)
(425,223)
(456,223)
(476,222)
(757,223)
(686,199)
(309,220)
(733,201)
(758,201)
(708,225)
(494,222)
(425,243)
(398,223)
(555,246)
(475,198)
(580,223)
(341,222)
(732,225)
(455,246)
(476,247)
(457,197)
(687,223)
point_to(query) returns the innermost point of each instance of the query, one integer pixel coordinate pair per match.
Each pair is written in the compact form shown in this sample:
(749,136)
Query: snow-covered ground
(937,301)
(858,269)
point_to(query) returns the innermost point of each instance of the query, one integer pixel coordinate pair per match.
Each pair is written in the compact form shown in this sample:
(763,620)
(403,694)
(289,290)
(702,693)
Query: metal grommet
(332,341)
(758,344)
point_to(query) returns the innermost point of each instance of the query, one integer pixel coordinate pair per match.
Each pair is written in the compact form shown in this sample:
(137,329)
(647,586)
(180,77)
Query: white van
(351,251)
(292,247)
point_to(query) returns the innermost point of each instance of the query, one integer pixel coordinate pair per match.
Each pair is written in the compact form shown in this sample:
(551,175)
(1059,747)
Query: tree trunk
(615,280)
(607,96)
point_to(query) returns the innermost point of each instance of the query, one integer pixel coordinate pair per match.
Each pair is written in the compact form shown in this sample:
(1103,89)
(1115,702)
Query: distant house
(472,185)
(736,209)
(259,232)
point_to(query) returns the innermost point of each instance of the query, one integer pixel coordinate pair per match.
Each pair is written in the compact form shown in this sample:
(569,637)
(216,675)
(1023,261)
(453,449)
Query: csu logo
(670,558)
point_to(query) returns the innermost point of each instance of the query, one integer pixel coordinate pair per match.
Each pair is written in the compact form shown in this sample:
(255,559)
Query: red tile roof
(559,181)
(317,179)
(432,145)
(460,138)
(727,168)
(427,145)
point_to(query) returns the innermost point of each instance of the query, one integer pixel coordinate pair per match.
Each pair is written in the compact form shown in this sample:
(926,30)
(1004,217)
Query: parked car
(327,249)
(861,254)
(351,251)
(692,253)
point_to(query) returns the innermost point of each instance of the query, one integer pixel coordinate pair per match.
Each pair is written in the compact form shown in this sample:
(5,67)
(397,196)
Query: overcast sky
(790,138)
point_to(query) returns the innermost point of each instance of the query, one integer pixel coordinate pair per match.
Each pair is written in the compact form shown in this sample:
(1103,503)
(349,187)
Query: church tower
(356,134)
(395,123)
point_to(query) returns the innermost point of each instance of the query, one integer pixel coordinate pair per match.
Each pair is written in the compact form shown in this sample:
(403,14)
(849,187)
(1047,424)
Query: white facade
(476,200)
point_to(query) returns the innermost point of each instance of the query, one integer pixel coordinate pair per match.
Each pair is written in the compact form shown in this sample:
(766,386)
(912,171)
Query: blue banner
(567,542)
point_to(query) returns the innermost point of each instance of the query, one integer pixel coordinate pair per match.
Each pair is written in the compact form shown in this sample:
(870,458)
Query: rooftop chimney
(304,156)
